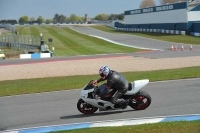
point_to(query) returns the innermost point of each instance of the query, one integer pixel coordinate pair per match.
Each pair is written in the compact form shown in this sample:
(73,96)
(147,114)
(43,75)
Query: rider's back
(118,80)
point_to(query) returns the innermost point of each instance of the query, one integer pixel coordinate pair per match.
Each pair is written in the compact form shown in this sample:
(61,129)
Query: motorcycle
(89,103)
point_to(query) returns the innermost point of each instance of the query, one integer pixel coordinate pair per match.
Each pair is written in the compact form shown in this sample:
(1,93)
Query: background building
(177,16)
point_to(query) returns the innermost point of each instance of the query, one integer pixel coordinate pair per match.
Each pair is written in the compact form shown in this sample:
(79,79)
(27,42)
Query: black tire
(85,108)
(140,101)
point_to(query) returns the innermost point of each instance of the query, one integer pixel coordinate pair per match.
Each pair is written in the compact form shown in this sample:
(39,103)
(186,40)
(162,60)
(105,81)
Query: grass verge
(70,43)
(187,39)
(27,86)
(165,127)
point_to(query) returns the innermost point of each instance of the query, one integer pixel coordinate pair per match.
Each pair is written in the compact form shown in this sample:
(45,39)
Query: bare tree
(147,3)
(162,2)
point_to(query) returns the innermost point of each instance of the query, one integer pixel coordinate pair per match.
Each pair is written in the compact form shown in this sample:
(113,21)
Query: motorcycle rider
(116,81)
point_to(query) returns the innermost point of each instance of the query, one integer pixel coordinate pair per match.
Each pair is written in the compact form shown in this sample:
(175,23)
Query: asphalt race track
(176,97)
(155,54)
(131,39)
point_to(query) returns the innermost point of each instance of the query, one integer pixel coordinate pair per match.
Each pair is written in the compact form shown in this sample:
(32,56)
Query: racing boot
(120,103)
(125,104)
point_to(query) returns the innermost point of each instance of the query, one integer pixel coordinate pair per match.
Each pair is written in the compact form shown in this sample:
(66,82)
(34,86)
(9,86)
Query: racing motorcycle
(89,103)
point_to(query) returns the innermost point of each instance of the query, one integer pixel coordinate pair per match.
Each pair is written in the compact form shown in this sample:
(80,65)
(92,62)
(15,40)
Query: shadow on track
(95,114)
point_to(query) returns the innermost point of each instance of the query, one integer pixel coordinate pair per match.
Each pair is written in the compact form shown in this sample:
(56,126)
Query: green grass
(9,50)
(27,86)
(187,39)
(70,43)
(165,127)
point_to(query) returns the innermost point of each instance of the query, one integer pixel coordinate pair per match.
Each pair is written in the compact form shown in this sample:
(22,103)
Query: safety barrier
(36,55)
(194,34)
(150,30)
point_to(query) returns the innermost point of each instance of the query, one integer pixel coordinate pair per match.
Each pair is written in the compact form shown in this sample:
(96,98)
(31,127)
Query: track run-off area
(175,97)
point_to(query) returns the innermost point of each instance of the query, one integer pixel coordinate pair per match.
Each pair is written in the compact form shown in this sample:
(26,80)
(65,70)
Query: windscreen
(88,86)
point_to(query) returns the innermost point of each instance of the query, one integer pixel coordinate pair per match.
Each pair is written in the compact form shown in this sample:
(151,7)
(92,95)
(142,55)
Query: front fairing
(87,94)
(98,103)
(88,88)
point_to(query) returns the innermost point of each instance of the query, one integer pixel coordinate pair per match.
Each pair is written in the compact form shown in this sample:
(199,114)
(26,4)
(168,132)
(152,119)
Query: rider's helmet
(104,71)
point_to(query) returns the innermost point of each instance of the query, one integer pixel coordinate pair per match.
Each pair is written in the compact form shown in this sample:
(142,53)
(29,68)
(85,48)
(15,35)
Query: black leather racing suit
(116,81)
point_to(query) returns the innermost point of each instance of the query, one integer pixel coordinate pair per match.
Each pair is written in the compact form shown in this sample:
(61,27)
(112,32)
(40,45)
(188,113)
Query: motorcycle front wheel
(141,101)
(85,108)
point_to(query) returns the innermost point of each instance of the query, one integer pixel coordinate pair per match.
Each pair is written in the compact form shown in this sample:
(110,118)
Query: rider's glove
(97,97)
(93,82)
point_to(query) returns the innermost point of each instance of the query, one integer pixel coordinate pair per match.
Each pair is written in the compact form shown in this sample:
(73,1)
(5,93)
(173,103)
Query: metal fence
(9,27)
(25,42)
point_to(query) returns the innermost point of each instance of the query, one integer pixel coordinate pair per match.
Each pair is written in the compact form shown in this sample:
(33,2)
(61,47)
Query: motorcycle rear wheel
(141,101)
(85,108)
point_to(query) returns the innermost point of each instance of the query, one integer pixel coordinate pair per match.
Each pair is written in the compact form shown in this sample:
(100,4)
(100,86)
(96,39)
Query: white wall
(45,55)
(172,16)
(194,16)
(25,56)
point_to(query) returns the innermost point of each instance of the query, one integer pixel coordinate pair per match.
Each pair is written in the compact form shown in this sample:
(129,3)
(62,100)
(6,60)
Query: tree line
(8,21)
(58,18)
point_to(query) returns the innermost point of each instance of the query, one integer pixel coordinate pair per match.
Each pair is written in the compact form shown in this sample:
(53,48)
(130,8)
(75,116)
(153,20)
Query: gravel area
(91,66)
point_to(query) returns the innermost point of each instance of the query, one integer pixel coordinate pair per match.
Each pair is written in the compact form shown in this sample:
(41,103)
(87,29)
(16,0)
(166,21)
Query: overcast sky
(14,9)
